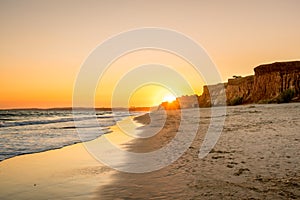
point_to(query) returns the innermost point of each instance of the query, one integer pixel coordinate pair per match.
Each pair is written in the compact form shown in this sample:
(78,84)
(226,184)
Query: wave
(32,131)
(10,123)
(37,122)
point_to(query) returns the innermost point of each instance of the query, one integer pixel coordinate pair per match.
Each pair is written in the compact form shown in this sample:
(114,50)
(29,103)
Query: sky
(45,43)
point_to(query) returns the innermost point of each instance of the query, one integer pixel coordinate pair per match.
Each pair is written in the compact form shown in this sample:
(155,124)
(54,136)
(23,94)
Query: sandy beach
(256,157)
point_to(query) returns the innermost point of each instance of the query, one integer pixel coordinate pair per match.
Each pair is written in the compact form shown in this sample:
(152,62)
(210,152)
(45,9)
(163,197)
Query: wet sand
(256,157)
(67,173)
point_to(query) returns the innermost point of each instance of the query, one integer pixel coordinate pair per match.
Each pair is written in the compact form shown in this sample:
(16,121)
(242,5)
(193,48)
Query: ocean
(32,131)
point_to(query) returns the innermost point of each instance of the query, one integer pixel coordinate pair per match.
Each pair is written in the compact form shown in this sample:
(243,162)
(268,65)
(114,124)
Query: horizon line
(84,108)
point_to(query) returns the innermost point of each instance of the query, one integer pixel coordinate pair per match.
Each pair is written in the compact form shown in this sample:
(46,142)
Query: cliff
(271,80)
(213,95)
(181,102)
(266,85)
(240,88)
(188,101)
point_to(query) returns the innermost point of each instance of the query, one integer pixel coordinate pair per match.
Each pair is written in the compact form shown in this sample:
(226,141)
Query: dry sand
(256,157)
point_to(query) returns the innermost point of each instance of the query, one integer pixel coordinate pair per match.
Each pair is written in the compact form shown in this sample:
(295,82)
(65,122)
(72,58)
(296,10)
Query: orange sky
(44,43)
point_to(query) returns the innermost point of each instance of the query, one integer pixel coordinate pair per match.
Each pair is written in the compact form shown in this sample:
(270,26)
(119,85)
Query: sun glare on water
(169,98)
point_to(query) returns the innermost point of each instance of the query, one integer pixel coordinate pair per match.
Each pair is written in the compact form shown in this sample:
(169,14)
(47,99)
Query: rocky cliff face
(268,82)
(188,101)
(272,79)
(213,95)
(240,88)
(266,85)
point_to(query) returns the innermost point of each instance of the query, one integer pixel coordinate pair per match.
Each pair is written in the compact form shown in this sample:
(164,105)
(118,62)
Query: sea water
(31,131)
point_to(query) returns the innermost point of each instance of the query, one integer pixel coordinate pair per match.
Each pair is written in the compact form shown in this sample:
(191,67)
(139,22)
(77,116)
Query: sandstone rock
(240,87)
(272,79)
(268,82)
(266,85)
(213,95)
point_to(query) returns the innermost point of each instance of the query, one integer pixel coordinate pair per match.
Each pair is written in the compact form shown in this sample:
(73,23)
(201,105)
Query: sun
(169,98)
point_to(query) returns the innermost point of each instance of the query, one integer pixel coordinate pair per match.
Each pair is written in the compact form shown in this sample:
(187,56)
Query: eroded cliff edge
(265,86)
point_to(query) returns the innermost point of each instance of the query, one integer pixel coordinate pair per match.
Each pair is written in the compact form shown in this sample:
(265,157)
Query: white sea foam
(30,131)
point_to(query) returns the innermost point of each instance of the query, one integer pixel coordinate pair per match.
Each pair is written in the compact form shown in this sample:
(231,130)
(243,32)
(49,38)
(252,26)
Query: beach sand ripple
(256,157)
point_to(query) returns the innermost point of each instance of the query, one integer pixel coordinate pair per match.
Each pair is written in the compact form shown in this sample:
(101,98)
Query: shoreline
(42,175)
(63,173)
(55,148)
(106,130)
